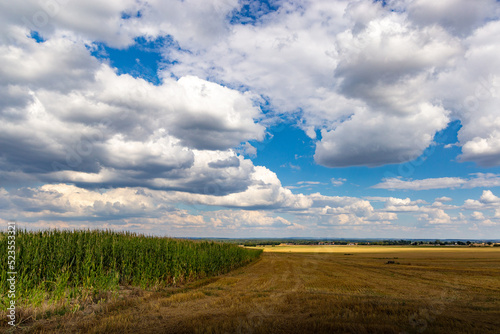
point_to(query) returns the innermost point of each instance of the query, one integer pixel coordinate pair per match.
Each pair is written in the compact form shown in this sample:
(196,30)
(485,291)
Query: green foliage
(54,264)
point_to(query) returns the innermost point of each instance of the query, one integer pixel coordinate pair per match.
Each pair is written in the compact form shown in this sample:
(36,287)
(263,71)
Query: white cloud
(306,184)
(378,81)
(477,180)
(488,198)
(353,68)
(337,182)
(57,64)
(265,190)
(117,22)
(475,95)
(76,120)
(142,209)
(248,149)
(291,166)
(63,201)
(380,139)
(393,204)
(472,204)
(477,215)
(69,201)
(255,220)
(425,184)
(481,219)
(486,210)
(457,16)
(434,216)
(309,182)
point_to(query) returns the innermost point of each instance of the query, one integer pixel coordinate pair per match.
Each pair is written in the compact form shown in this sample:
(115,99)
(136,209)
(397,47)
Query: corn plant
(55,264)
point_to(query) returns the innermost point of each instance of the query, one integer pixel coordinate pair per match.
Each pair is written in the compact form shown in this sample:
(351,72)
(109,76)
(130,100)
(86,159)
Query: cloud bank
(370,82)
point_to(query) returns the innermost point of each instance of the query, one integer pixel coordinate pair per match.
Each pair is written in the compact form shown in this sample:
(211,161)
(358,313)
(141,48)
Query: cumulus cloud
(63,201)
(66,201)
(475,95)
(485,210)
(457,16)
(444,199)
(378,79)
(118,23)
(481,219)
(488,198)
(143,208)
(443,203)
(435,216)
(255,220)
(375,79)
(487,201)
(381,66)
(394,204)
(359,67)
(343,212)
(79,121)
(476,215)
(380,139)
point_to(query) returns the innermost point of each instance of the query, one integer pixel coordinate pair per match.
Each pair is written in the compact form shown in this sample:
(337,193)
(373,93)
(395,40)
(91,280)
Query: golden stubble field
(325,289)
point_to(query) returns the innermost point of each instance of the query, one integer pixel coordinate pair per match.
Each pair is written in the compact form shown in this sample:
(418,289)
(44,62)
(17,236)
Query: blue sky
(231,118)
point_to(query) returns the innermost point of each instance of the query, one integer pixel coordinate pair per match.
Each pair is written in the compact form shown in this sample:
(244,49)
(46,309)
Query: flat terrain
(372,249)
(325,290)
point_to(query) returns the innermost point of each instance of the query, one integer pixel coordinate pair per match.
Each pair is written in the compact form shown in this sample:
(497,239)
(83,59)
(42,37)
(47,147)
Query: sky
(227,118)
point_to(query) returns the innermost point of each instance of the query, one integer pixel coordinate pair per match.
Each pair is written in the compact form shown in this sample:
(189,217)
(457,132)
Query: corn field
(54,264)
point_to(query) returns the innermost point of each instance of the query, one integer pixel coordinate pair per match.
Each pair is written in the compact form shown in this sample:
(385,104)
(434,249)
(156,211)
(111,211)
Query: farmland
(371,249)
(378,289)
(62,271)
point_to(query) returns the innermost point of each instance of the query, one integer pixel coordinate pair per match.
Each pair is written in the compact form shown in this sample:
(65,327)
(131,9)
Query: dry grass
(436,290)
